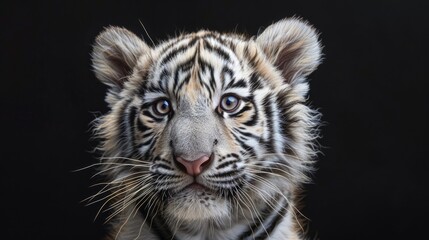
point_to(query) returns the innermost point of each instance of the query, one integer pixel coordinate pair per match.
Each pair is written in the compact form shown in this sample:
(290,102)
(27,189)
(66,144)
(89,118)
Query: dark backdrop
(371,89)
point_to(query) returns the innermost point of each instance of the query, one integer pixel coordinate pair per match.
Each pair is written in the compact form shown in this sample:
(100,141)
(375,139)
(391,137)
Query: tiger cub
(208,135)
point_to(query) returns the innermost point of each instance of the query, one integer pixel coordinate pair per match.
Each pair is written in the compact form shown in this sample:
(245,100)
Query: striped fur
(261,152)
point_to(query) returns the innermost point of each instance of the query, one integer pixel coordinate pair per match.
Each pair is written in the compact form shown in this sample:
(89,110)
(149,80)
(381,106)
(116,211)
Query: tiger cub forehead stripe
(209,135)
(192,72)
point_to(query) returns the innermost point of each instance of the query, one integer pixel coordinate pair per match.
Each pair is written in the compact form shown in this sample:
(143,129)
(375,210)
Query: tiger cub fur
(209,135)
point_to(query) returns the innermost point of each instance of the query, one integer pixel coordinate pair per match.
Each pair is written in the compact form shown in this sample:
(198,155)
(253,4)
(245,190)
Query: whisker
(275,188)
(117,183)
(153,43)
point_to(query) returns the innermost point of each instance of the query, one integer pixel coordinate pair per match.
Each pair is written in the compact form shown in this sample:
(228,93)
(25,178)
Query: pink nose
(194,167)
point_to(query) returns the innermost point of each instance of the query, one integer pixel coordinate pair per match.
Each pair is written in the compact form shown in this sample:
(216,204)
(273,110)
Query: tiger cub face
(206,127)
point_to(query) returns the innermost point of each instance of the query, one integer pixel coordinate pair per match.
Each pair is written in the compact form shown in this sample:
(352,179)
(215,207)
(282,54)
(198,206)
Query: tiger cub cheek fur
(209,135)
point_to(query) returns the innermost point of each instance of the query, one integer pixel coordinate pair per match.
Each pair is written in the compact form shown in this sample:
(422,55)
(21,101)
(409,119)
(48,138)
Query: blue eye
(229,103)
(162,107)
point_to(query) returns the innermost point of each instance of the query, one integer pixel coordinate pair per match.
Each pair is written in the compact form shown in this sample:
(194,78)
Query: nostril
(193,167)
(180,165)
(205,164)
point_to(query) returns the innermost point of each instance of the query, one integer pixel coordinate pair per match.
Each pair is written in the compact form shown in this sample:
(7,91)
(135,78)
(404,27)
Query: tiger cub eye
(229,103)
(162,107)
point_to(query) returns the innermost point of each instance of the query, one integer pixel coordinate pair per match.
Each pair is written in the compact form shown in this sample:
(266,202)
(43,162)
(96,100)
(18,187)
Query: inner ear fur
(115,53)
(292,45)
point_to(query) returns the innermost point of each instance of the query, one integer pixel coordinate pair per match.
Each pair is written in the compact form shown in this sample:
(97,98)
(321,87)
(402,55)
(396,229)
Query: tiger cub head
(206,126)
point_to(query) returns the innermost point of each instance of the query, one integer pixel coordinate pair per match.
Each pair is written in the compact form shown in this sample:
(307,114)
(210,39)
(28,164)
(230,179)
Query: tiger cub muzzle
(195,137)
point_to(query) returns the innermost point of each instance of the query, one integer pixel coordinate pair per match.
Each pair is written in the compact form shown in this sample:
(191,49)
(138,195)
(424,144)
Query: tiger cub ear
(114,55)
(293,47)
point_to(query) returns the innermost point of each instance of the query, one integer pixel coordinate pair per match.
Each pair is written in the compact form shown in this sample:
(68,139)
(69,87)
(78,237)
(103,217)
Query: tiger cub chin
(209,135)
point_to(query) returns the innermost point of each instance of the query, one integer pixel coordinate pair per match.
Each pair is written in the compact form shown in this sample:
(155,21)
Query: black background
(371,88)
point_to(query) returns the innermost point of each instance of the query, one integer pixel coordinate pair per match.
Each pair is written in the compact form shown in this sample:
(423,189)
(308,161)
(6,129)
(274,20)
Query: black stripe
(212,79)
(205,85)
(226,71)
(265,214)
(255,82)
(144,75)
(147,142)
(141,127)
(239,84)
(174,42)
(226,164)
(273,224)
(186,80)
(176,78)
(266,106)
(158,226)
(247,134)
(217,50)
(173,53)
(163,78)
(164,166)
(230,173)
(252,121)
(146,105)
(204,66)
(217,37)
(231,82)
(147,134)
(149,114)
(151,147)
(131,122)
(287,116)
(125,139)
(154,89)
(132,116)
(238,114)
(255,118)
(244,146)
(183,67)
(187,65)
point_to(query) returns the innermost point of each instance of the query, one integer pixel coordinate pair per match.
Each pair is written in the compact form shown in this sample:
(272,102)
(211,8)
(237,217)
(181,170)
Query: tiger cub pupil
(209,135)
(229,103)
(162,107)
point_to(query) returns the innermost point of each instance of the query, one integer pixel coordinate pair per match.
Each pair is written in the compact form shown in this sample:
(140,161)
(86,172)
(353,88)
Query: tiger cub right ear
(292,46)
(115,54)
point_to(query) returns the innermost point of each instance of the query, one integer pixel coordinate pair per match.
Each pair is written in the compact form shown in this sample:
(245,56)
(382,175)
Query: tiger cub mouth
(197,187)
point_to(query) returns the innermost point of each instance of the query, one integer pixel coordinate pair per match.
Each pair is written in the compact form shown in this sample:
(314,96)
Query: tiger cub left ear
(293,47)
(115,54)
